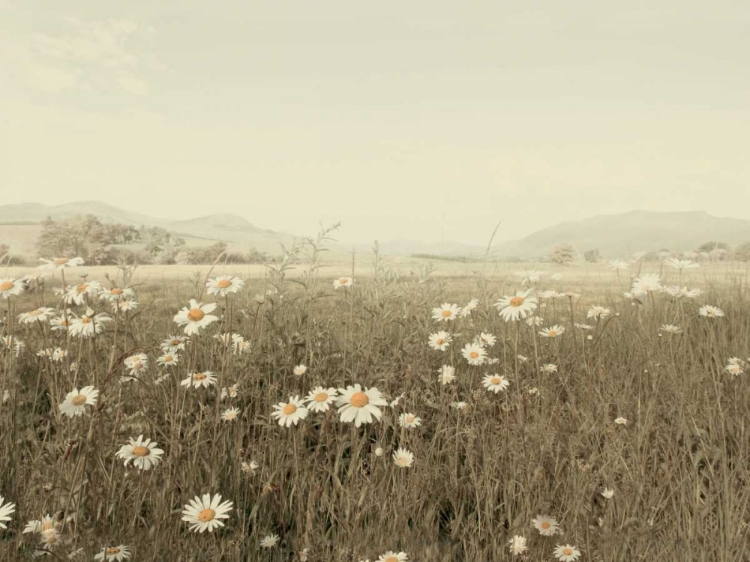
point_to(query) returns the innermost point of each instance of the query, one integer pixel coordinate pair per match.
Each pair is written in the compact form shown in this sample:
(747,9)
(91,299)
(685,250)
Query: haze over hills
(622,235)
(613,235)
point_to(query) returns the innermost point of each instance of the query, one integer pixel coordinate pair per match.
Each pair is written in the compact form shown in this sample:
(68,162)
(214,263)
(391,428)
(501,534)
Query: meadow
(501,413)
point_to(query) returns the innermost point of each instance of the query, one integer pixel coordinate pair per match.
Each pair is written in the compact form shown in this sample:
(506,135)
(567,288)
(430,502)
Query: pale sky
(386,115)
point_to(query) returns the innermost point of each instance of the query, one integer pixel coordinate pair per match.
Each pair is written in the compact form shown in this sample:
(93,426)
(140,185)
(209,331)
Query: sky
(421,120)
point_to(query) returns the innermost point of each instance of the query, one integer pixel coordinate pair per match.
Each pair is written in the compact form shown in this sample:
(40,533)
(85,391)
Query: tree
(741,252)
(592,256)
(563,254)
(709,246)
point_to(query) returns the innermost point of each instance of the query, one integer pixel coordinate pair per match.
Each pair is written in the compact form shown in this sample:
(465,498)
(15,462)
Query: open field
(533,426)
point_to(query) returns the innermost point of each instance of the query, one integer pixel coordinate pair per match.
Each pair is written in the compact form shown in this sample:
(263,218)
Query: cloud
(101,55)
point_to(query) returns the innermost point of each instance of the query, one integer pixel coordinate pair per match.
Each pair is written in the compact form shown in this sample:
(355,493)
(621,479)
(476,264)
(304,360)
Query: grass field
(534,426)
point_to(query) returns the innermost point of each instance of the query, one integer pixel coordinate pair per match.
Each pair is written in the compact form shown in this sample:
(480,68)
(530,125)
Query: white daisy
(546,525)
(495,383)
(403,458)
(552,332)
(77,293)
(674,263)
(446,312)
(486,339)
(197,380)
(470,306)
(618,265)
(204,513)
(269,541)
(117,553)
(408,420)
(597,312)
(391,556)
(60,263)
(6,510)
(566,553)
(169,359)
(473,353)
(291,412)
(446,374)
(320,399)
(143,453)
(230,414)
(196,317)
(76,401)
(88,325)
(440,341)
(116,294)
(516,307)
(710,311)
(300,370)
(42,314)
(224,285)
(517,545)
(359,406)
(343,282)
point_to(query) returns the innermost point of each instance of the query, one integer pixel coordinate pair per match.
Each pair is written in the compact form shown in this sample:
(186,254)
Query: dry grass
(679,468)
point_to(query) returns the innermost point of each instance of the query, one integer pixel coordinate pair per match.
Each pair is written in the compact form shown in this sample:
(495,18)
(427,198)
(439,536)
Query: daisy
(137,363)
(474,354)
(597,312)
(320,399)
(682,292)
(230,414)
(391,556)
(224,285)
(566,553)
(552,332)
(735,367)
(495,383)
(269,541)
(197,380)
(486,339)
(710,311)
(546,525)
(76,401)
(118,553)
(6,510)
(517,307)
(621,421)
(169,359)
(144,454)
(446,312)
(343,282)
(60,263)
(11,287)
(646,284)
(466,311)
(291,412)
(125,306)
(607,493)
(459,405)
(360,406)
(196,316)
(548,295)
(446,374)
(440,341)
(249,467)
(203,513)
(671,329)
(230,392)
(174,343)
(88,325)
(403,458)
(534,321)
(409,421)
(77,293)
(517,545)
(116,294)
(584,326)
(39,315)
(618,265)
(240,346)
(49,537)
(38,526)
(549,368)
(674,263)
(300,370)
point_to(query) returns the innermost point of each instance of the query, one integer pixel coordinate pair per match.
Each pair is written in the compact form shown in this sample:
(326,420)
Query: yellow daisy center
(6,285)
(86,320)
(60,261)
(359,400)
(141,451)
(113,550)
(516,301)
(196,315)
(391,559)
(36,312)
(79,400)
(46,526)
(567,551)
(206,515)
(289,409)
(321,397)
(167,358)
(223,283)
(495,380)
(440,341)
(409,419)
(446,313)
(343,281)
(82,288)
(545,525)
(473,354)
(116,291)
(199,376)
(552,333)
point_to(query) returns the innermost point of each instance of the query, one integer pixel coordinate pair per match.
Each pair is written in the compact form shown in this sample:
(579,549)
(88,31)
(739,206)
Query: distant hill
(19,226)
(624,234)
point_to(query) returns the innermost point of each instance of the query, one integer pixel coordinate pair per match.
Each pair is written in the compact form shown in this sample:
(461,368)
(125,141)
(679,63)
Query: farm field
(474,412)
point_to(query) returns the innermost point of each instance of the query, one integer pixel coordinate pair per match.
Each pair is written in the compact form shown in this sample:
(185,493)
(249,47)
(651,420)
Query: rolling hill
(622,235)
